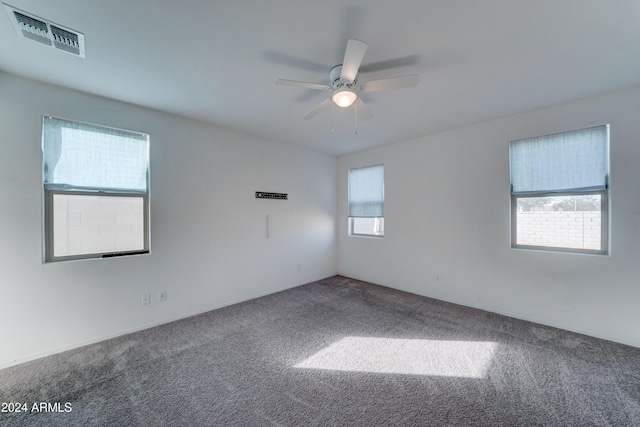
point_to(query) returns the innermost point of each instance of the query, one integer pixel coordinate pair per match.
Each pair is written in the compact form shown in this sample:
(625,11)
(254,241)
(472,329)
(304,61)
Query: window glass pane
(367,226)
(572,222)
(86,224)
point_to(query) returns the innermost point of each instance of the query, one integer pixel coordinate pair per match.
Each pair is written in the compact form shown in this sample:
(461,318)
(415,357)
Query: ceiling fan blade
(404,61)
(352,59)
(362,110)
(324,104)
(304,85)
(292,61)
(390,83)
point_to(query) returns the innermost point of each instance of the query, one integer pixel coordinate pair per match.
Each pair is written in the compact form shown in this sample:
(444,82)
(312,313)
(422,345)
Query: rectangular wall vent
(43,31)
(265,195)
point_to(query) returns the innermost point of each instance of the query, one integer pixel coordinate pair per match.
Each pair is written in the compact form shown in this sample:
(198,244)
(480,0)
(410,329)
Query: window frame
(352,226)
(49,225)
(604,223)
(48,205)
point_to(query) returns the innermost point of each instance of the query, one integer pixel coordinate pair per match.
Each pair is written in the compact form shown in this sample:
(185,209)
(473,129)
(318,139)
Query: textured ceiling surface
(218,61)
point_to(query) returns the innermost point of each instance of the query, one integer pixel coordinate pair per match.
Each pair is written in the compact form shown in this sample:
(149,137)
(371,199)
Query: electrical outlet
(146,299)
(162,296)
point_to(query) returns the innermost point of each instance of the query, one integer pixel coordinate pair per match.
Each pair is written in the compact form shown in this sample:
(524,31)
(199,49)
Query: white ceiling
(218,60)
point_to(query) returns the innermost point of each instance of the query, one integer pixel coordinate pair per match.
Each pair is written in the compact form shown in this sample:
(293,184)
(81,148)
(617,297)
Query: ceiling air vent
(43,31)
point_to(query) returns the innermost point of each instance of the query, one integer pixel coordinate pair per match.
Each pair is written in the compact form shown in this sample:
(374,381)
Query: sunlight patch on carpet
(464,359)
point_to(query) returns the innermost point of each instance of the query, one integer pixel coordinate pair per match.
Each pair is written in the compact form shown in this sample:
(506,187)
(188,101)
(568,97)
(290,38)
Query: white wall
(208,244)
(447,214)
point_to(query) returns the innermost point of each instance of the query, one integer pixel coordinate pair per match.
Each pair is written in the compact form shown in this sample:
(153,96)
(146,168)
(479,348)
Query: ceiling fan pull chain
(355,117)
(332,128)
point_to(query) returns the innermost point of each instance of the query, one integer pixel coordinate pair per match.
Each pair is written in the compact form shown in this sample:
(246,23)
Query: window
(96,191)
(366,201)
(559,191)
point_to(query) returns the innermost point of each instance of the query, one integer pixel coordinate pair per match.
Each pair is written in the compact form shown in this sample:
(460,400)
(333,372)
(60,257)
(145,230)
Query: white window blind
(574,161)
(84,156)
(366,192)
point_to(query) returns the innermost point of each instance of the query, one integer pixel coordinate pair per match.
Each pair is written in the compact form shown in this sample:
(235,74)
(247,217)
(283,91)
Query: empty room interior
(319,213)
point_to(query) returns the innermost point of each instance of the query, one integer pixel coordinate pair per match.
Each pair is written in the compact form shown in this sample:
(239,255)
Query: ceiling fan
(345,89)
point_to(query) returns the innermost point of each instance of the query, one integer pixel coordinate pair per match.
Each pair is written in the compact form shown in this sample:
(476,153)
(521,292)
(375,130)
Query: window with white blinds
(559,191)
(96,189)
(366,201)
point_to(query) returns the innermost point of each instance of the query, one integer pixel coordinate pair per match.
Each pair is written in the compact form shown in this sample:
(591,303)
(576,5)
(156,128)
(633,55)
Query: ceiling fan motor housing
(336,81)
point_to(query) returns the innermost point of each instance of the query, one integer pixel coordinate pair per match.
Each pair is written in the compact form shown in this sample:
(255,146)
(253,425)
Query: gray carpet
(337,352)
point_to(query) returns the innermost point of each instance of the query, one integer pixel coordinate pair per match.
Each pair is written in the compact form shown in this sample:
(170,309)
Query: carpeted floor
(337,352)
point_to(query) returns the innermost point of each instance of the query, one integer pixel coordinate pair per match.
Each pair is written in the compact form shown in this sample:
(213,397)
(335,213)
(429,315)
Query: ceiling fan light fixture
(344,98)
